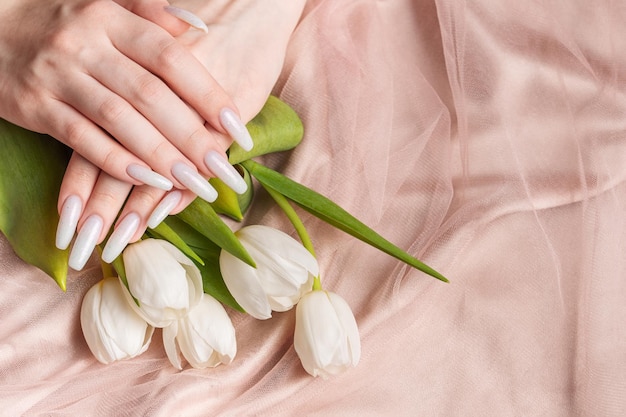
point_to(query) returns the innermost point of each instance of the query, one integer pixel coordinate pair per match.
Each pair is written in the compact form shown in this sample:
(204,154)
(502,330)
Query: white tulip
(206,337)
(326,336)
(112,329)
(165,283)
(285,270)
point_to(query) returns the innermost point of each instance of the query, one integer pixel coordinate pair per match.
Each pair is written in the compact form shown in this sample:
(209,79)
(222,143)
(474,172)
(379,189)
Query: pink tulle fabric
(486,138)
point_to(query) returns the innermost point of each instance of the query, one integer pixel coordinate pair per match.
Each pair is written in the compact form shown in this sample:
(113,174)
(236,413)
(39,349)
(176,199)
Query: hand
(115,87)
(247,72)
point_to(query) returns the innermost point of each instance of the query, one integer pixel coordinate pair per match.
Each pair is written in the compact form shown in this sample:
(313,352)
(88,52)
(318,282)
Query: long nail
(187,17)
(236,129)
(85,242)
(194,181)
(120,237)
(149,177)
(70,214)
(164,208)
(225,171)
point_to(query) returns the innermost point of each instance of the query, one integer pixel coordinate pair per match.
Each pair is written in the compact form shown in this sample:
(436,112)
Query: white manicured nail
(194,181)
(120,237)
(149,177)
(164,208)
(187,17)
(236,129)
(70,214)
(85,242)
(225,171)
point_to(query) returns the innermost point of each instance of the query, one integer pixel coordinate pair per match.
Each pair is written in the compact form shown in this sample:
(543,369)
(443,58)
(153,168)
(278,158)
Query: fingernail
(164,208)
(194,181)
(149,177)
(225,171)
(236,129)
(85,242)
(120,237)
(187,17)
(70,214)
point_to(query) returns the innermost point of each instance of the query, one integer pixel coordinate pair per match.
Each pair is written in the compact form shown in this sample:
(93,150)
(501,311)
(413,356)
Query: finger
(146,206)
(155,11)
(78,183)
(105,202)
(140,137)
(87,139)
(167,58)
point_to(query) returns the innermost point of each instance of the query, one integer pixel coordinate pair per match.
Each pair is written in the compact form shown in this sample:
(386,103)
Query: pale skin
(244,52)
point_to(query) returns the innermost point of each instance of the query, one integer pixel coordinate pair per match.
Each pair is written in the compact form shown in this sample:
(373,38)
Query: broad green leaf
(163,231)
(276,128)
(333,214)
(30,176)
(201,216)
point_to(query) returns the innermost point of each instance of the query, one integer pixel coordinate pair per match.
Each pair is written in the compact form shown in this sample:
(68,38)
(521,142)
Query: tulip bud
(285,270)
(163,281)
(206,337)
(326,336)
(112,329)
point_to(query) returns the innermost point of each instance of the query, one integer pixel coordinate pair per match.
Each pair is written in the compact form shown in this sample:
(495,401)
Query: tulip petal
(126,332)
(207,336)
(169,343)
(154,277)
(275,241)
(241,280)
(348,322)
(112,329)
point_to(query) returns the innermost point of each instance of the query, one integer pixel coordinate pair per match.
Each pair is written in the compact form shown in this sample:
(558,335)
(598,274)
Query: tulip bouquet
(180,276)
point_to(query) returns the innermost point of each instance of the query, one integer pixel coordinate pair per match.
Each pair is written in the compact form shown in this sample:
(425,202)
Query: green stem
(295,220)
(317,284)
(293,217)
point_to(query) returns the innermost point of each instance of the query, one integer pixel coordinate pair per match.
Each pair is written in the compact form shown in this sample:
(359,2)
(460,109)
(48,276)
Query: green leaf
(201,216)
(163,231)
(245,199)
(30,177)
(333,214)
(276,128)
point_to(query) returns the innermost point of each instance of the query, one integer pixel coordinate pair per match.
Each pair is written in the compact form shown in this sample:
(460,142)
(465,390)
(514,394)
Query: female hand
(244,50)
(116,87)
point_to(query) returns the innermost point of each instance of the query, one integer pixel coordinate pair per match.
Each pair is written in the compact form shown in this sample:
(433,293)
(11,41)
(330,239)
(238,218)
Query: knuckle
(109,162)
(144,198)
(160,151)
(112,110)
(75,134)
(149,88)
(170,54)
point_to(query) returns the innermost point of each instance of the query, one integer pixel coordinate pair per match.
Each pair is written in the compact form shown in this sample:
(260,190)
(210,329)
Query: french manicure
(164,208)
(120,237)
(187,17)
(236,129)
(70,214)
(194,181)
(85,242)
(225,171)
(149,177)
